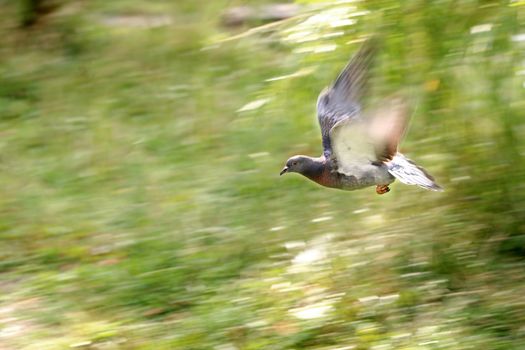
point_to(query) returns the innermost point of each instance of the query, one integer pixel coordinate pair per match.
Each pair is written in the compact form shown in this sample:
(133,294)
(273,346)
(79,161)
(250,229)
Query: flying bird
(360,149)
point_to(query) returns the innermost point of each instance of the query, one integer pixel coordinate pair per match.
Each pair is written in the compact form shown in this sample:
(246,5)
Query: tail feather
(410,173)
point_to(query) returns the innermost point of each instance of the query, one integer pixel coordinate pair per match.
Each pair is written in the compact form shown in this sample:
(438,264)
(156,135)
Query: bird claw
(382,189)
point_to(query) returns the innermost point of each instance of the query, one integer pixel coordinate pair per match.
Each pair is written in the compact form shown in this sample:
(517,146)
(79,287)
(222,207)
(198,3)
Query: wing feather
(343,99)
(370,139)
(352,146)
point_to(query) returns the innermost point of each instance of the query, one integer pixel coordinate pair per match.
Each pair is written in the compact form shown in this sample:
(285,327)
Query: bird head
(297,164)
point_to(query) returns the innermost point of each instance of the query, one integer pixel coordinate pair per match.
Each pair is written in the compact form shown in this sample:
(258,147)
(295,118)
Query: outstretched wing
(370,139)
(352,148)
(343,99)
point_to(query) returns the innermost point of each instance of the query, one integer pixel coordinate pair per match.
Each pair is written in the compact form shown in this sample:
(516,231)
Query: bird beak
(285,169)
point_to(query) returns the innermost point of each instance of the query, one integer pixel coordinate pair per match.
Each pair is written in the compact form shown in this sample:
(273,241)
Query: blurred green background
(141,207)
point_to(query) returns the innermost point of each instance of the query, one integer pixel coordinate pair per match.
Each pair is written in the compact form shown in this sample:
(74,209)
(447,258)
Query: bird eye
(294,163)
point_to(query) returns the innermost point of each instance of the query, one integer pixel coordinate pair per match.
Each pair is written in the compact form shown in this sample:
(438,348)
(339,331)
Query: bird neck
(317,169)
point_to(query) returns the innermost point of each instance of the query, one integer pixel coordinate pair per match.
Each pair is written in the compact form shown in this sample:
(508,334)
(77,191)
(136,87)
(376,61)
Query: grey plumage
(343,99)
(360,149)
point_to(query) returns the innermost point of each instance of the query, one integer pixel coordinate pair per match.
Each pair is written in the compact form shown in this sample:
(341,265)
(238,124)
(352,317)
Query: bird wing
(352,148)
(343,99)
(368,139)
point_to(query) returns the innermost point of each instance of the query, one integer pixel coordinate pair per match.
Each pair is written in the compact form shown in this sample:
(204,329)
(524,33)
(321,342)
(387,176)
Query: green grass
(141,209)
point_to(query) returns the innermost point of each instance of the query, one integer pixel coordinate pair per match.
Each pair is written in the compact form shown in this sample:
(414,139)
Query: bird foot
(382,189)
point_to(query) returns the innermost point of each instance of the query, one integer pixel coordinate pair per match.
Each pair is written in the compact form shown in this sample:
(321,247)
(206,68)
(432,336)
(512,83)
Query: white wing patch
(370,138)
(351,146)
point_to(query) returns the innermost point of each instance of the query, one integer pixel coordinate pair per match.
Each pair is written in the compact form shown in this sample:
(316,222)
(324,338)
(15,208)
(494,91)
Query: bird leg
(382,189)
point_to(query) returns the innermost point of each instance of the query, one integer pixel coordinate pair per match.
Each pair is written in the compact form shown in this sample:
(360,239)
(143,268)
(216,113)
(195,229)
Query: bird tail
(410,173)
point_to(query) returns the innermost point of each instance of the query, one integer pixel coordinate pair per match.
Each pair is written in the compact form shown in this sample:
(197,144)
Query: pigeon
(360,149)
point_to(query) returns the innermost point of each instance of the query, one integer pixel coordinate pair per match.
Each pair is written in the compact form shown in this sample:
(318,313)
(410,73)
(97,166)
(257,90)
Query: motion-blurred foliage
(141,206)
